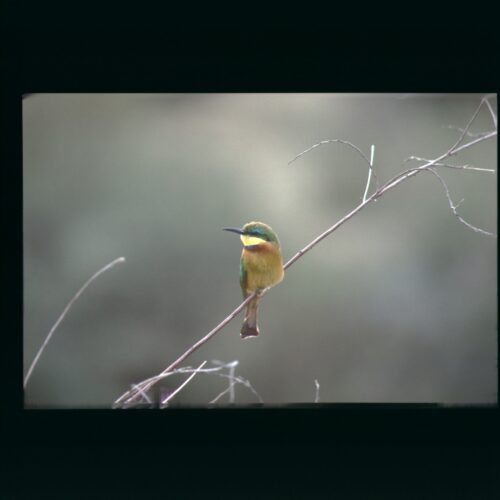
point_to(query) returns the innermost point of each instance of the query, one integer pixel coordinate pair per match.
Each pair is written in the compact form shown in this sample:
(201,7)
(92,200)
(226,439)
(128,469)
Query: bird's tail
(250,328)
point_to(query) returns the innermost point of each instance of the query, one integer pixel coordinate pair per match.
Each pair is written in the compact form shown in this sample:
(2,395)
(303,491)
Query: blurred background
(398,305)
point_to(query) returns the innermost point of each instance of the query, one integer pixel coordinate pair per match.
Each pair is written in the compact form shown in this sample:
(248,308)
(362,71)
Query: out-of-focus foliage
(399,305)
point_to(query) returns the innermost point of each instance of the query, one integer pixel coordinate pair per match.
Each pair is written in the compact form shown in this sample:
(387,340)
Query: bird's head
(255,233)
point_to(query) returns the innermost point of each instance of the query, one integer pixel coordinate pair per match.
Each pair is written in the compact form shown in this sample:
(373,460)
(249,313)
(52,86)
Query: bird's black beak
(234,230)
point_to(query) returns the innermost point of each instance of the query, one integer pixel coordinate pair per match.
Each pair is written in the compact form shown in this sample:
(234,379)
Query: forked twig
(454,207)
(448,165)
(146,384)
(231,367)
(186,382)
(233,380)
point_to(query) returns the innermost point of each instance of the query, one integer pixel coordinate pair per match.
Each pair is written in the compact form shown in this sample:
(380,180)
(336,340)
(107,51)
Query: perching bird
(261,266)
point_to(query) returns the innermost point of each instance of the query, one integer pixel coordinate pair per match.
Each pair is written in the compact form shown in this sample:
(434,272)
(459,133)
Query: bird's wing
(243,278)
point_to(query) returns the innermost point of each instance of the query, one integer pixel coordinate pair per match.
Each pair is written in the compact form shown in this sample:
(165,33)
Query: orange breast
(264,266)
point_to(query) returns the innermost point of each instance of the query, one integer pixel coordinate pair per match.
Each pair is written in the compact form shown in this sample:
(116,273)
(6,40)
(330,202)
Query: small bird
(261,266)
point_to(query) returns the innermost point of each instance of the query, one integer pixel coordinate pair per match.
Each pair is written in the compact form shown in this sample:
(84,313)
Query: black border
(315,443)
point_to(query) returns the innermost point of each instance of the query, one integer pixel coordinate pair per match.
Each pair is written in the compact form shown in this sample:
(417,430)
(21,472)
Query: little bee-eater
(261,266)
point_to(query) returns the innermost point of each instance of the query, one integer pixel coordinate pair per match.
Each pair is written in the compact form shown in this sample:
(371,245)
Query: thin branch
(454,207)
(493,115)
(138,390)
(231,387)
(130,396)
(167,399)
(316,399)
(411,172)
(447,165)
(370,170)
(143,394)
(484,100)
(488,135)
(224,392)
(247,384)
(236,379)
(221,366)
(469,134)
(231,367)
(233,380)
(329,141)
(396,180)
(340,141)
(467,127)
(63,314)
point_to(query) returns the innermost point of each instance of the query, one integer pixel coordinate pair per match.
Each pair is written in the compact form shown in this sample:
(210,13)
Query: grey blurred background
(398,305)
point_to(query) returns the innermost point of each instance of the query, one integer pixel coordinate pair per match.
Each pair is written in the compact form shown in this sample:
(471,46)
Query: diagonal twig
(63,314)
(128,396)
(186,382)
(447,165)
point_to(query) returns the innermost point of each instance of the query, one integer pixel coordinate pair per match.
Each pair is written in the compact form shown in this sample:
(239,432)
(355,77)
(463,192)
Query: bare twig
(340,141)
(231,367)
(454,207)
(224,392)
(63,314)
(370,170)
(143,394)
(236,380)
(493,115)
(411,172)
(138,389)
(233,380)
(247,384)
(447,165)
(484,100)
(316,399)
(231,387)
(186,382)
(467,127)
(469,134)
(329,141)
(130,396)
